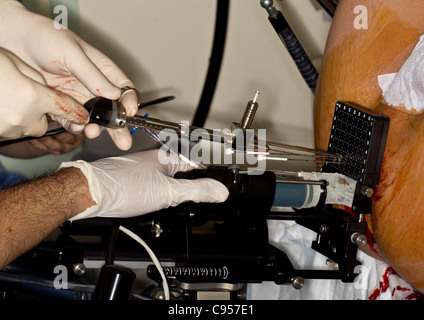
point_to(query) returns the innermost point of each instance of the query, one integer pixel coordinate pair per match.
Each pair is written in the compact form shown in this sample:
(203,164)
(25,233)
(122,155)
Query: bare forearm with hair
(31,211)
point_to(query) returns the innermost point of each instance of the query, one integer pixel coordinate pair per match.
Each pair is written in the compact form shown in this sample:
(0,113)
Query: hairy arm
(31,211)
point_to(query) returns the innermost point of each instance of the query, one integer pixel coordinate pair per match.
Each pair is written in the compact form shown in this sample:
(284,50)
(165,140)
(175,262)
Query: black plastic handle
(105,112)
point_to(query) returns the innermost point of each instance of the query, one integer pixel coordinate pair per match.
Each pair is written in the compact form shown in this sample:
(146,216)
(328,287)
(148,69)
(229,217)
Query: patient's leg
(353,60)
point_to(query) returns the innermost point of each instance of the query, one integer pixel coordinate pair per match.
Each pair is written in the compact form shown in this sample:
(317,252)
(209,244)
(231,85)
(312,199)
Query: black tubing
(215,62)
(298,54)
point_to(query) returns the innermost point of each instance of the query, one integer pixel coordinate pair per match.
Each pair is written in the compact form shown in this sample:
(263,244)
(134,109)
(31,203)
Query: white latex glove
(138,183)
(25,99)
(67,63)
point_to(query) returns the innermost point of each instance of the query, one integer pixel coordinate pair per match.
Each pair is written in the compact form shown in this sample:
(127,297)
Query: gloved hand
(25,99)
(139,183)
(68,64)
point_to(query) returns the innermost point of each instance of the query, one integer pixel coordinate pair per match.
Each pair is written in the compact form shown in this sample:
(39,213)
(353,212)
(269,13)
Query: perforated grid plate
(359,135)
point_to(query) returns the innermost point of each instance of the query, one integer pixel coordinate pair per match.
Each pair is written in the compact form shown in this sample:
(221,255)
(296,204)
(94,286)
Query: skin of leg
(352,61)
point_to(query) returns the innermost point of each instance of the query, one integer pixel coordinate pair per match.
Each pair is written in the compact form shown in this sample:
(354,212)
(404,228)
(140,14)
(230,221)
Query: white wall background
(164,47)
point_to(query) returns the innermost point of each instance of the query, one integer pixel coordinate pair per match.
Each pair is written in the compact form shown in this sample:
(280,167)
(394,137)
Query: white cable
(152,256)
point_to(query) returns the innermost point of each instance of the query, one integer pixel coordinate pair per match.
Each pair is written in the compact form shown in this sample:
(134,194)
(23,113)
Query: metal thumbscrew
(79,269)
(367,191)
(359,239)
(297,282)
(156,230)
(323,228)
